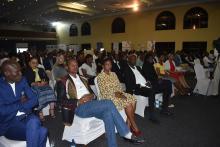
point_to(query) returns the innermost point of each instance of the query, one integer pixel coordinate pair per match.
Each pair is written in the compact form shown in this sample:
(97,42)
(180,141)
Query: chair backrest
(200,72)
(52,79)
(97,87)
(197,61)
(49,74)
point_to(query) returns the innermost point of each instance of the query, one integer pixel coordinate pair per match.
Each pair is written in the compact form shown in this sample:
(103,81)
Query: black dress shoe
(135,140)
(166,113)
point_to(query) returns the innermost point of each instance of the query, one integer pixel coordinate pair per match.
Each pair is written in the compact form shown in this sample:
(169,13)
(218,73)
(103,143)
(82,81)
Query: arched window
(73,30)
(85,29)
(196,18)
(165,21)
(118,25)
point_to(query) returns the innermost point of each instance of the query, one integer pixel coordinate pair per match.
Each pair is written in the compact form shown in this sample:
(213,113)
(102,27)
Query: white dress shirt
(138,76)
(117,63)
(13,88)
(81,89)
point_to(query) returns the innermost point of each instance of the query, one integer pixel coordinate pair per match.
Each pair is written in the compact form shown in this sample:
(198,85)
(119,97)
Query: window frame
(170,16)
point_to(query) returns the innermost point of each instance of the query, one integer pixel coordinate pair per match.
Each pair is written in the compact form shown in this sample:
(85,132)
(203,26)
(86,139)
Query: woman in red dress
(174,73)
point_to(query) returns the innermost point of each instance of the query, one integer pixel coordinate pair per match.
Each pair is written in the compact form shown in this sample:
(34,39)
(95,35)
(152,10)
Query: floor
(196,123)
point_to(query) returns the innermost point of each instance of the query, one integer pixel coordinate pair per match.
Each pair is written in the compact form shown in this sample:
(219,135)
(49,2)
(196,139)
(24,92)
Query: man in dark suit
(159,85)
(138,85)
(116,67)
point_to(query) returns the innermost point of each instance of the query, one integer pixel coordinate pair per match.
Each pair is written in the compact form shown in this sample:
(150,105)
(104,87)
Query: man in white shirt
(101,109)
(207,62)
(89,69)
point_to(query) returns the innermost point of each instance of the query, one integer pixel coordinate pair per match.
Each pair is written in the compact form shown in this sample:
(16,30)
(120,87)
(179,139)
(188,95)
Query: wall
(20,27)
(140,27)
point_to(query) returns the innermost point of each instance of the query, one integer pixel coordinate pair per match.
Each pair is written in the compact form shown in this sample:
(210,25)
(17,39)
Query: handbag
(68,111)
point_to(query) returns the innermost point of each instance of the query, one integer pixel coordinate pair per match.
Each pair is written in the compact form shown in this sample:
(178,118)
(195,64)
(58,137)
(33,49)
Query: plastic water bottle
(73,144)
(52,144)
(157,103)
(160,105)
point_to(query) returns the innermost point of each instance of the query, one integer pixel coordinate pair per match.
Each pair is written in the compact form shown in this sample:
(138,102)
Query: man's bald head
(11,71)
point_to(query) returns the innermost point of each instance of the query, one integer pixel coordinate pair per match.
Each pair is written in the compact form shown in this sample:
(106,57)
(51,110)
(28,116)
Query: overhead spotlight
(135,8)
(79,4)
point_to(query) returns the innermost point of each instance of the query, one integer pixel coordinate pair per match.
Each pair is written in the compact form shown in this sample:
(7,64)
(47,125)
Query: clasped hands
(120,95)
(86,98)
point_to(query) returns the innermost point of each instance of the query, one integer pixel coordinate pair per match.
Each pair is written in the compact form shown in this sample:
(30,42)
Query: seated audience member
(160,70)
(212,56)
(177,59)
(170,67)
(216,78)
(158,84)
(48,61)
(116,68)
(140,60)
(189,59)
(59,69)
(76,89)
(206,61)
(16,102)
(110,88)
(95,55)
(137,84)
(89,69)
(98,61)
(38,80)
(123,62)
(80,57)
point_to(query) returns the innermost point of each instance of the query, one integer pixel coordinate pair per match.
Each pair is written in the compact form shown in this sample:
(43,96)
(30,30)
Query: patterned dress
(108,85)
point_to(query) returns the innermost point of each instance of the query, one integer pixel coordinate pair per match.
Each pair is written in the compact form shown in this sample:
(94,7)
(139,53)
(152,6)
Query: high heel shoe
(136,133)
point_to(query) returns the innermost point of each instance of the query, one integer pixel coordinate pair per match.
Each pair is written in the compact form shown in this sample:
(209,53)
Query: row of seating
(85,130)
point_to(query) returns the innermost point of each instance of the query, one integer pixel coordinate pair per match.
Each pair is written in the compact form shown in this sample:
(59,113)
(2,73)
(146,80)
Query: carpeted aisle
(196,123)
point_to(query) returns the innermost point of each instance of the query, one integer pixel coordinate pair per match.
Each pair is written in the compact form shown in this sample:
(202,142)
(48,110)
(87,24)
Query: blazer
(10,104)
(149,72)
(30,75)
(130,81)
(118,72)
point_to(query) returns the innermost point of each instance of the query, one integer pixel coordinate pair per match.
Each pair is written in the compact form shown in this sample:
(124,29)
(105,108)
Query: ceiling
(43,12)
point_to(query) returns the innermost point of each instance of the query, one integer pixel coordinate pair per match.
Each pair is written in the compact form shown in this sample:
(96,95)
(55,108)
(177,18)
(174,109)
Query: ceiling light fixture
(135,7)
(80,5)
